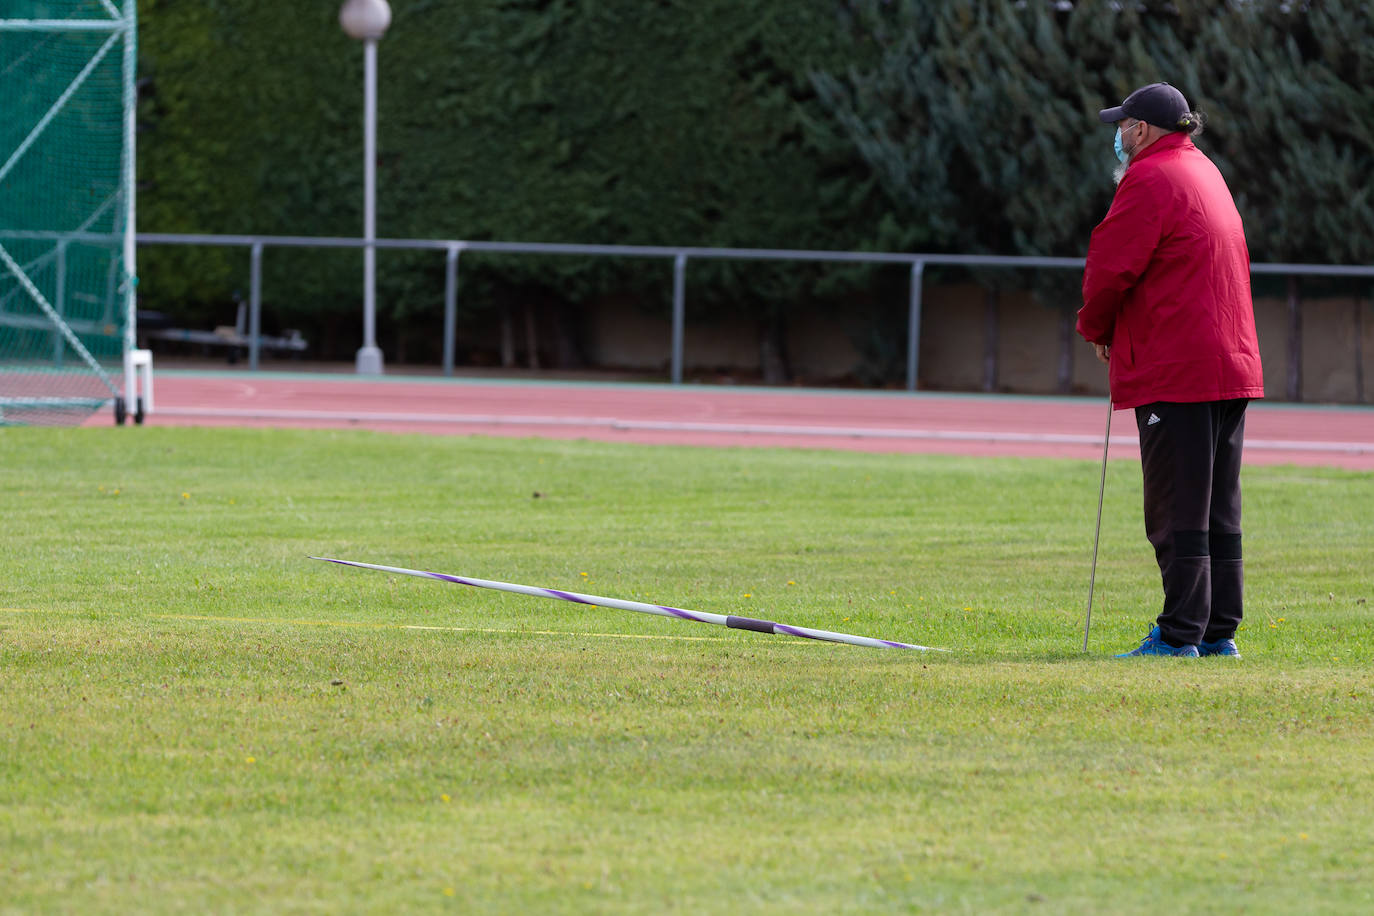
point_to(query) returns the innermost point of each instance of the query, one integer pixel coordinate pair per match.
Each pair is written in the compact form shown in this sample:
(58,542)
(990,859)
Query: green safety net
(65,192)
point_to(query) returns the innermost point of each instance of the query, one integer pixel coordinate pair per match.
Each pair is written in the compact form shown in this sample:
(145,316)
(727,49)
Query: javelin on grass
(720,620)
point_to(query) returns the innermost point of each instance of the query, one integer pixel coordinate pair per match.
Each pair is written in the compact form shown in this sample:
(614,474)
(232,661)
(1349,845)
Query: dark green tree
(1291,96)
(978,120)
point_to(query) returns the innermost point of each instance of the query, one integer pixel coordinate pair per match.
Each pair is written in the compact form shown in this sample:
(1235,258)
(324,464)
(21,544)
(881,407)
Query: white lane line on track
(833,432)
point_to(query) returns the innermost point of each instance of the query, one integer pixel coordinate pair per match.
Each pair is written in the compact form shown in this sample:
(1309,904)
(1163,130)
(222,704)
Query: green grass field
(194,717)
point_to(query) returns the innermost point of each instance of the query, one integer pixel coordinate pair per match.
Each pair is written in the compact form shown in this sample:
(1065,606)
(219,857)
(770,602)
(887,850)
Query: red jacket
(1167,284)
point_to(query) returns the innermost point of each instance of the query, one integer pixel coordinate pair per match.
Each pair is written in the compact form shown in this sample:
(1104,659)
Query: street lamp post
(367,21)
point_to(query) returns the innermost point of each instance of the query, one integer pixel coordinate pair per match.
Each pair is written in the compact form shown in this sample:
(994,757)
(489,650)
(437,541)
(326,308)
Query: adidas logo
(1154,418)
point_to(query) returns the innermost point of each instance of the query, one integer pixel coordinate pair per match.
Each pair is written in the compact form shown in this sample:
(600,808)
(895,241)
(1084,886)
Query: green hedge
(620,122)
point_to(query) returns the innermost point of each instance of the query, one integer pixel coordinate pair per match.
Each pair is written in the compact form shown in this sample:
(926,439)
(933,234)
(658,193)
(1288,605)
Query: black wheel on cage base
(138,411)
(120,412)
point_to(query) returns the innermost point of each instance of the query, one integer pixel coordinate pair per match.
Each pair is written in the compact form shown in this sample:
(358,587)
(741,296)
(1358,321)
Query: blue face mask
(1120,150)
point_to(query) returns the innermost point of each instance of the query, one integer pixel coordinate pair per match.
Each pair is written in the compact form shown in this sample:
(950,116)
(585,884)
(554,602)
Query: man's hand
(1104,353)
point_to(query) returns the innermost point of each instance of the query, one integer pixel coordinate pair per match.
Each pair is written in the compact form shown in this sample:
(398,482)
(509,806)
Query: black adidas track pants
(1190,459)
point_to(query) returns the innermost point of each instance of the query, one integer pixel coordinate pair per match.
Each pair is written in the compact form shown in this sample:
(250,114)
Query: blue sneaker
(1219,647)
(1154,644)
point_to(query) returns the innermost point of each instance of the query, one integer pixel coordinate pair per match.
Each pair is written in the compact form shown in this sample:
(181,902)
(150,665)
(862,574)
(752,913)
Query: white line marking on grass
(416,626)
(385,626)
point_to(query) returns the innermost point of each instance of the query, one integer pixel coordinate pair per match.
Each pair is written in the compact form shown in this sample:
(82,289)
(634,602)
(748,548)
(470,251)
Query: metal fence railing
(454,249)
(916,263)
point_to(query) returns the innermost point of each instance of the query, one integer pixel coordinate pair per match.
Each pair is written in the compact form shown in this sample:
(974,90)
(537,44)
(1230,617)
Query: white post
(367,21)
(131,221)
(370,356)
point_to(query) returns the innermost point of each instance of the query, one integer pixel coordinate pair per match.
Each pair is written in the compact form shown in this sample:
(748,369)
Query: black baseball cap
(1158,103)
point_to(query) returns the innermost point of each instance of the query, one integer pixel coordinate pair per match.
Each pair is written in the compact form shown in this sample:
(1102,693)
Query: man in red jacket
(1166,302)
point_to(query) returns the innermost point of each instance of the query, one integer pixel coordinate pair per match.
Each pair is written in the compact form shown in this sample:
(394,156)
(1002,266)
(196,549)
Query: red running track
(696,415)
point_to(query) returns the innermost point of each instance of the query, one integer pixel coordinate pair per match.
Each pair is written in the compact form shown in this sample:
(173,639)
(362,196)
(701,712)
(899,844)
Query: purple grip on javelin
(750,623)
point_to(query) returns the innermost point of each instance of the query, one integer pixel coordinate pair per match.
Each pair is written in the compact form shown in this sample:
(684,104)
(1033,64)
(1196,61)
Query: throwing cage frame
(116,33)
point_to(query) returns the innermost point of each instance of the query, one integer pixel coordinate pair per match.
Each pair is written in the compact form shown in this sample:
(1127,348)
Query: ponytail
(1192,123)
